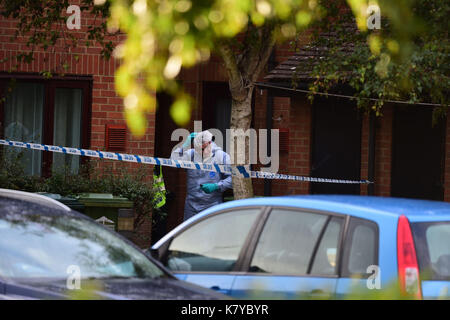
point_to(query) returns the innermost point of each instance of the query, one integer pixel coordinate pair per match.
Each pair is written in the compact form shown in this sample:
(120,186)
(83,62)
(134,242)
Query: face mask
(206,151)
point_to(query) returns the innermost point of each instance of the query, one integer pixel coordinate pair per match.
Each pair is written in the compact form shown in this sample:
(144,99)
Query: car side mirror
(154,253)
(160,252)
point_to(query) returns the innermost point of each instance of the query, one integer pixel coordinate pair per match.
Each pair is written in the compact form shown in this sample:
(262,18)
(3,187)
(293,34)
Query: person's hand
(209,187)
(187,143)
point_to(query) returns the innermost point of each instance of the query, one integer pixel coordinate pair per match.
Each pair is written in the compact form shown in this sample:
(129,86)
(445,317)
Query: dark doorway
(166,217)
(164,126)
(216,112)
(417,154)
(336,149)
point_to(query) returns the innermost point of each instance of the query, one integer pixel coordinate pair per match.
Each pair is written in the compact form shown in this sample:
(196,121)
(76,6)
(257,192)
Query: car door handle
(218,289)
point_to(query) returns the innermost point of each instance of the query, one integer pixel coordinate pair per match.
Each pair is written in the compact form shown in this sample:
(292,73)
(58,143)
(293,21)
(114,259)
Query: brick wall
(365,153)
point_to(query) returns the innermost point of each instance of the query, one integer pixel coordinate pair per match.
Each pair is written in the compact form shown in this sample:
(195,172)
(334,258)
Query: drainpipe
(371,164)
(269,116)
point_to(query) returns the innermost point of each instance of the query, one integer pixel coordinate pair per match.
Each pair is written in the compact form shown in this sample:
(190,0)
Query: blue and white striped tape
(241,171)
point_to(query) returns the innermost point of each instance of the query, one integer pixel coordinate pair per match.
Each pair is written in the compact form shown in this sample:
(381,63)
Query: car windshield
(53,246)
(433,249)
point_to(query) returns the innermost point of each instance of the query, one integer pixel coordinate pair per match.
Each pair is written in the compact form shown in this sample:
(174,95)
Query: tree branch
(235,76)
(258,49)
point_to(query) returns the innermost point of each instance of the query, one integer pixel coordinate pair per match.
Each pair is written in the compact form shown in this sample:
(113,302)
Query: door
(173,209)
(216,115)
(216,112)
(336,149)
(417,154)
(207,252)
(360,259)
(295,256)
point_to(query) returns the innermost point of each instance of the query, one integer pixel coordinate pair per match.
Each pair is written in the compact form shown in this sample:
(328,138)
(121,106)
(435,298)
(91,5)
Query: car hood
(119,289)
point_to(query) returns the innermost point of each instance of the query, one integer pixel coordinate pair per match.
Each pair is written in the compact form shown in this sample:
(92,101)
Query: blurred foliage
(12,173)
(356,291)
(164,36)
(167,35)
(88,291)
(387,64)
(110,177)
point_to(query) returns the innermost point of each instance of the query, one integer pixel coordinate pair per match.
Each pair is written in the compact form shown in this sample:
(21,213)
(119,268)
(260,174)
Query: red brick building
(400,151)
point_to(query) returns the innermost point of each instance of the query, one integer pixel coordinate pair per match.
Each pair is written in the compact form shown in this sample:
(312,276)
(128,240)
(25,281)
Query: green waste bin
(72,203)
(112,211)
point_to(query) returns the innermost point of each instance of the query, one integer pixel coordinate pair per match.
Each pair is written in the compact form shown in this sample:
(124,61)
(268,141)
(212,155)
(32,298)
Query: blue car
(314,246)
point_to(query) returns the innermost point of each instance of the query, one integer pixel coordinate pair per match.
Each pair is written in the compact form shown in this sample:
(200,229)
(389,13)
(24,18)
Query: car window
(325,259)
(362,246)
(438,239)
(212,244)
(287,242)
(41,246)
(432,241)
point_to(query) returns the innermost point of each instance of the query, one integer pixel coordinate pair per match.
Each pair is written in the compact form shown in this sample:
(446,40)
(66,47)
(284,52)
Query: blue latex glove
(209,187)
(187,143)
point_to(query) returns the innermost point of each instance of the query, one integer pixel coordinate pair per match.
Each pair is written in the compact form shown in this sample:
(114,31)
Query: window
(433,250)
(53,112)
(67,126)
(22,121)
(326,258)
(438,237)
(287,242)
(361,247)
(212,244)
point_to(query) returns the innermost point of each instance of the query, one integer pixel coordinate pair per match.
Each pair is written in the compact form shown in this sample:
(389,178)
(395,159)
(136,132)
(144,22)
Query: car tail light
(408,268)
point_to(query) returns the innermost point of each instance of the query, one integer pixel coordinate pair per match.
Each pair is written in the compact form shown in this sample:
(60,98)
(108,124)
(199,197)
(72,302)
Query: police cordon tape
(241,171)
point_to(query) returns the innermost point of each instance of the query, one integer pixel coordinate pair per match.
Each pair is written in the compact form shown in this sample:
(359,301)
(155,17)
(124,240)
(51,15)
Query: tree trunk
(244,67)
(241,118)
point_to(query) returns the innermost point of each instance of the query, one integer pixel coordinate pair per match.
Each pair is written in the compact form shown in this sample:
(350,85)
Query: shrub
(134,184)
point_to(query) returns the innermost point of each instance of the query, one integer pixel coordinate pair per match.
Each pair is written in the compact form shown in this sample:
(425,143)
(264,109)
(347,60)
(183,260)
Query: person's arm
(179,154)
(226,182)
(184,152)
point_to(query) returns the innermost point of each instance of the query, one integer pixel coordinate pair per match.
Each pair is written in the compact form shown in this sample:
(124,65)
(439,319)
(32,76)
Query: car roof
(26,203)
(366,207)
(33,198)
(362,206)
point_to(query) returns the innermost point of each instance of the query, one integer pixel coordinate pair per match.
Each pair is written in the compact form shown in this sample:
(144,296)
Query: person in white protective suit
(204,188)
